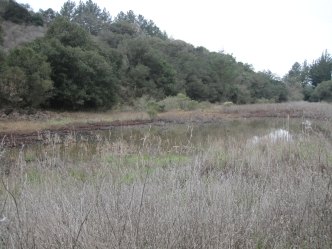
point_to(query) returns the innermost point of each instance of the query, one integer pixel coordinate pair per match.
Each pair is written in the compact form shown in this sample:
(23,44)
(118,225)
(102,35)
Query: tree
(69,34)
(148,70)
(323,92)
(82,78)
(140,24)
(19,13)
(88,15)
(48,15)
(16,13)
(13,86)
(68,10)
(26,79)
(295,81)
(321,69)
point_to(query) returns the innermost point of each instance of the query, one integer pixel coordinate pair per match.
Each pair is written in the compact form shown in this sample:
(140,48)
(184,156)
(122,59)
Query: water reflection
(179,138)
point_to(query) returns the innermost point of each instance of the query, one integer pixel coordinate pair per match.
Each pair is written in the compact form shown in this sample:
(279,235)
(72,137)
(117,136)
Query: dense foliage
(88,60)
(311,82)
(18,13)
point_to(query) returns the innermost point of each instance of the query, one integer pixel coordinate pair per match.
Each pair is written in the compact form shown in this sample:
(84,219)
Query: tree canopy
(89,60)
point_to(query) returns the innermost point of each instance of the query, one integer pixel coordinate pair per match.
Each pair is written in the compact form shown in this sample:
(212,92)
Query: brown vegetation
(228,193)
(15,34)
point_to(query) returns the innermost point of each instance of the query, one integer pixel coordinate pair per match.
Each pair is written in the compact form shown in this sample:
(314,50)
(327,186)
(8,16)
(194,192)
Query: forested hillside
(88,59)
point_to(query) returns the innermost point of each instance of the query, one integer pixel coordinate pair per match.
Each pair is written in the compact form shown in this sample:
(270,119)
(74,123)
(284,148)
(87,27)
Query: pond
(160,137)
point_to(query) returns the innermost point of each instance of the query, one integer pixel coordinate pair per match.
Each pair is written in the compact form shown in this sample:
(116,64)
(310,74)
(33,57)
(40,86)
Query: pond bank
(16,129)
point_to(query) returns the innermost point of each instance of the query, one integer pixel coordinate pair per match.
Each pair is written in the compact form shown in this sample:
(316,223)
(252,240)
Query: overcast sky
(269,34)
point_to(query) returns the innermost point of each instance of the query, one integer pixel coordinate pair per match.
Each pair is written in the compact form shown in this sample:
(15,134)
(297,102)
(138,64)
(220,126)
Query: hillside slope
(17,34)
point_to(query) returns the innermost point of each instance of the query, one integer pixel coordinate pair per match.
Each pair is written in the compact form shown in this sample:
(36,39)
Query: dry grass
(15,34)
(229,193)
(305,110)
(51,120)
(296,109)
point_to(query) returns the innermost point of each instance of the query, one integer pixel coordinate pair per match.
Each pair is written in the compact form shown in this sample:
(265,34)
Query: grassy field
(229,192)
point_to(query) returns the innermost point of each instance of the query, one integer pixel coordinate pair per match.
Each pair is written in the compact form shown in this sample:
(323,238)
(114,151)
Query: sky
(268,34)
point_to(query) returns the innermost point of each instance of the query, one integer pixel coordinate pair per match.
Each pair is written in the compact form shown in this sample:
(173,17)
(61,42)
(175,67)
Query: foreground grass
(230,193)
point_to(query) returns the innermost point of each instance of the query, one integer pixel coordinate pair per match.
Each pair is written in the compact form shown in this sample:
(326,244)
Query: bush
(13,87)
(307,92)
(153,108)
(180,102)
(323,92)
(26,79)
(228,103)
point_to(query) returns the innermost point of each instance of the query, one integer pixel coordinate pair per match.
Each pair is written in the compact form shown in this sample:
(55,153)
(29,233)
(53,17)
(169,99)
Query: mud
(16,139)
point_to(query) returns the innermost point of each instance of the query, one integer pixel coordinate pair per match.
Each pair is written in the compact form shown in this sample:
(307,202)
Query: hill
(17,34)
(85,59)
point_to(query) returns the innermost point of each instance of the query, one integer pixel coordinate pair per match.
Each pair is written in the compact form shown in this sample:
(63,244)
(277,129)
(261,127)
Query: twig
(17,210)
(80,229)
(140,210)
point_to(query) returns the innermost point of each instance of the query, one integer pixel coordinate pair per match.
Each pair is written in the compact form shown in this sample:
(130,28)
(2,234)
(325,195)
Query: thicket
(310,81)
(96,62)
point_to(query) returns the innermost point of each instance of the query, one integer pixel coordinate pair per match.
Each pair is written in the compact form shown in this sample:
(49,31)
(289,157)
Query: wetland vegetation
(190,151)
(173,185)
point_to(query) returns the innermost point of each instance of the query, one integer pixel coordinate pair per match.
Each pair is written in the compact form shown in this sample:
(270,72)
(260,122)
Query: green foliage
(323,92)
(141,25)
(18,13)
(48,15)
(267,86)
(179,102)
(13,86)
(68,33)
(153,108)
(26,79)
(88,15)
(82,78)
(321,69)
(147,71)
(68,10)
(307,92)
(127,60)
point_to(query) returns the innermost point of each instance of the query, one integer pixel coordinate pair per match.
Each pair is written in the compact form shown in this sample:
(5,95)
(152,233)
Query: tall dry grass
(230,193)
(298,109)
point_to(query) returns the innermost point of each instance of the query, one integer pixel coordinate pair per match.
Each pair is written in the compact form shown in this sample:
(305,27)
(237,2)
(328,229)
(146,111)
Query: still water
(179,138)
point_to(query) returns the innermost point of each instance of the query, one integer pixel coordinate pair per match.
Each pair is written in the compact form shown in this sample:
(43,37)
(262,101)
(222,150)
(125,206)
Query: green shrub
(153,108)
(228,103)
(179,102)
(323,92)
(25,81)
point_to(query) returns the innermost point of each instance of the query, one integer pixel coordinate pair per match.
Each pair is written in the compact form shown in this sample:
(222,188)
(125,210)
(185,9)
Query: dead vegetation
(15,34)
(223,194)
